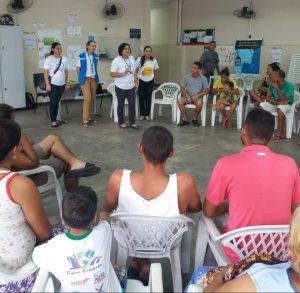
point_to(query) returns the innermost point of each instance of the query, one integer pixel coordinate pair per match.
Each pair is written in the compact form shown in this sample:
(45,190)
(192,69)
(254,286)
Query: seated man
(256,186)
(219,89)
(194,86)
(152,192)
(280,98)
(50,151)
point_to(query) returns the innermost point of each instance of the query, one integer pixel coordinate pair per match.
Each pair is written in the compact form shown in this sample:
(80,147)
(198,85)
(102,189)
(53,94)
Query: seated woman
(23,220)
(218,89)
(260,95)
(263,273)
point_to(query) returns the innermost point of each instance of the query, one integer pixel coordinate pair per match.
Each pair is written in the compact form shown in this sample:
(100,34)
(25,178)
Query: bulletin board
(198,36)
(108,46)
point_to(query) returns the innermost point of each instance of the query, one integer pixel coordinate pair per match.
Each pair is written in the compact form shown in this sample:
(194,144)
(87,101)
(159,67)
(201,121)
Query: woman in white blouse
(122,69)
(56,77)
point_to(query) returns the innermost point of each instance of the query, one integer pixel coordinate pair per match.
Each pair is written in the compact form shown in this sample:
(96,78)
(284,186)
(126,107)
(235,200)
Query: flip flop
(277,137)
(123,126)
(92,121)
(89,170)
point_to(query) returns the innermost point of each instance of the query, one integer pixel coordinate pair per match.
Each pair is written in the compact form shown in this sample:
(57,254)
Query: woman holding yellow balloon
(144,80)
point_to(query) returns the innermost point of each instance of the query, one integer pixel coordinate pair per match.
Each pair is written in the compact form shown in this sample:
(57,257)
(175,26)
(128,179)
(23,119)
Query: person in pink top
(255,186)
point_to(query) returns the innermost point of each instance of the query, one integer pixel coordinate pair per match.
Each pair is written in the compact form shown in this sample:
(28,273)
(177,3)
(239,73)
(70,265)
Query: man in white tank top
(152,192)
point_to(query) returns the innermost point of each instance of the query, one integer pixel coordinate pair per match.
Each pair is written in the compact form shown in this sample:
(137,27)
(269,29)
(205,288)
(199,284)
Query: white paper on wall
(72,17)
(72,55)
(38,26)
(226,55)
(74,30)
(45,40)
(29,41)
(276,55)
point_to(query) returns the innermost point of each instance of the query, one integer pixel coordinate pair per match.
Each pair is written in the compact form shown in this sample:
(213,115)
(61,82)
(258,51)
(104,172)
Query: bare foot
(224,124)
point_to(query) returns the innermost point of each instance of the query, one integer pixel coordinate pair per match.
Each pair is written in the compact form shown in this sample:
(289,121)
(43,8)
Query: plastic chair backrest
(170,90)
(37,77)
(296,96)
(52,182)
(247,79)
(294,69)
(111,89)
(148,234)
(269,240)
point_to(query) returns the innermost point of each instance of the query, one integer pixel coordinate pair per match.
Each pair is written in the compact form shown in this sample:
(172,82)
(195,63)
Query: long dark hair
(53,46)
(143,57)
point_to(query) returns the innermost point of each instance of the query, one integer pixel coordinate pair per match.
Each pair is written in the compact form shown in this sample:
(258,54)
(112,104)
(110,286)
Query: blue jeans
(55,95)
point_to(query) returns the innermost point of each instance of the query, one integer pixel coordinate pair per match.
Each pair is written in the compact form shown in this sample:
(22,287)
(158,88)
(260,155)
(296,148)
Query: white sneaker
(142,118)
(148,118)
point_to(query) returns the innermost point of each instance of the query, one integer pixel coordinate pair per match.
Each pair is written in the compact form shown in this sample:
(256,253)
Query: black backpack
(30,104)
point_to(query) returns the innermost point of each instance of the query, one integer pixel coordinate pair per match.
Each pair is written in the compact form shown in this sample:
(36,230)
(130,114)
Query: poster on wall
(72,55)
(45,40)
(29,41)
(198,36)
(276,55)
(226,55)
(247,56)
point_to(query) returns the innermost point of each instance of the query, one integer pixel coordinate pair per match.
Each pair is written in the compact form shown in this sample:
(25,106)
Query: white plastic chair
(169,91)
(194,288)
(249,104)
(46,282)
(114,103)
(20,274)
(268,239)
(52,182)
(154,237)
(290,117)
(239,110)
(191,106)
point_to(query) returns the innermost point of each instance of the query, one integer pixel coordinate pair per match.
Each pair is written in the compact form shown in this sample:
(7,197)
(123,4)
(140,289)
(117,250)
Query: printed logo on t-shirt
(148,71)
(83,260)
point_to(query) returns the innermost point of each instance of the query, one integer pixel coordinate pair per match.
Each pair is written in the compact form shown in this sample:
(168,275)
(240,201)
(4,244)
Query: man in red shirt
(256,186)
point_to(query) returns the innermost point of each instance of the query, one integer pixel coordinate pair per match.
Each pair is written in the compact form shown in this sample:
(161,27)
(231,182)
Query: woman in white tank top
(22,217)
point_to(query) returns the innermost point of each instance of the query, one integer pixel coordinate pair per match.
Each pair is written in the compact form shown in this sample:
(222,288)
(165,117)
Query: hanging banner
(247,56)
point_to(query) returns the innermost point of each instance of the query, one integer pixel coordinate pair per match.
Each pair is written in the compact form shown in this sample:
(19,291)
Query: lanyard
(92,63)
(129,65)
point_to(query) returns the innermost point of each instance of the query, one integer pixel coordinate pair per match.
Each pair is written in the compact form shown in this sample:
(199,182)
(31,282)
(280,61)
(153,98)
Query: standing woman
(144,80)
(56,77)
(88,79)
(122,69)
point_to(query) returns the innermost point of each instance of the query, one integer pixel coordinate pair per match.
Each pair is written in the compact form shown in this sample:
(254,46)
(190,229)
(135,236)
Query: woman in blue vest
(88,79)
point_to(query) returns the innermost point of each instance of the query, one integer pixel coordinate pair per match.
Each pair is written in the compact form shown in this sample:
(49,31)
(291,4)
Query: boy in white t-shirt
(80,258)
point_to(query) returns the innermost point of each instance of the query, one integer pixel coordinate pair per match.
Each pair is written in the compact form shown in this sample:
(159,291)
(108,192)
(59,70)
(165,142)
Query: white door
(12,66)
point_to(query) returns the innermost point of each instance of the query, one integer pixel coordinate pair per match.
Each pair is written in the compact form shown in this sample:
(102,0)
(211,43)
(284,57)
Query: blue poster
(247,56)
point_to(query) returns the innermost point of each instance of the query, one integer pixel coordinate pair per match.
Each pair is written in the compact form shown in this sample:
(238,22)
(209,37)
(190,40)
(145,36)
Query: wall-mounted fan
(245,12)
(113,10)
(17,6)
(248,13)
